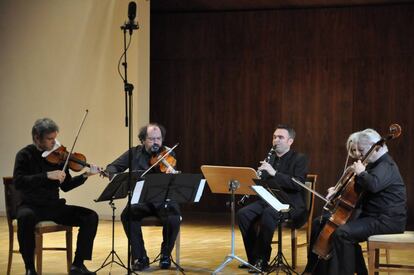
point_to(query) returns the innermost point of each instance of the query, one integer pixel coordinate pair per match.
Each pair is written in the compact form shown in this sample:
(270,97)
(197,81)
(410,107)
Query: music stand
(117,188)
(230,180)
(279,262)
(165,188)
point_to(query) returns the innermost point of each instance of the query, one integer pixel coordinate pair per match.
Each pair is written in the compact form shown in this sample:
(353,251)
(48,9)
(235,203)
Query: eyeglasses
(154,138)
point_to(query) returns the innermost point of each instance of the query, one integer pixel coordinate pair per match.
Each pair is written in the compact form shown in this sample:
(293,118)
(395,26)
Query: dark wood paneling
(208,5)
(221,81)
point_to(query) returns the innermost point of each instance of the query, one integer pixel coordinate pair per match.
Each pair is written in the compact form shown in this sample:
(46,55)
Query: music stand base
(232,257)
(279,262)
(112,254)
(233,185)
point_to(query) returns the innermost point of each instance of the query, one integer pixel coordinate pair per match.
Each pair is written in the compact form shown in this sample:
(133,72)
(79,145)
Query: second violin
(164,160)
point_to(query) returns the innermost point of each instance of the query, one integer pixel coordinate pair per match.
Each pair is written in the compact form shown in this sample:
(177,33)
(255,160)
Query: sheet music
(200,190)
(137,192)
(270,199)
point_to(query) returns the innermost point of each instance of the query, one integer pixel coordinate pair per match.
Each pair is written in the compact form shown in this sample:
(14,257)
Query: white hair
(369,137)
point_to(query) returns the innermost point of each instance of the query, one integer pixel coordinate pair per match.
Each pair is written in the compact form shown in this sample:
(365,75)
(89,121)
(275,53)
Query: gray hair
(368,137)
(43,126)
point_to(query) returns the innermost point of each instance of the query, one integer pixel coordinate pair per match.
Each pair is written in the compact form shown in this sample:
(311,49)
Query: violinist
(381,209)
(258,221)
(39,182)
(151,137)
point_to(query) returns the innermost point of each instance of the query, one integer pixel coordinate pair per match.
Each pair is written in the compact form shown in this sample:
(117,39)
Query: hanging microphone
(132,10)
(132,13)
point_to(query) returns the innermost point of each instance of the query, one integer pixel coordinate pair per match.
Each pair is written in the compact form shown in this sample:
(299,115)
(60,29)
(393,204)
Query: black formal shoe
(140,264)
(243,266)
(259,264)
(31,271)
(165,261)
(80,270)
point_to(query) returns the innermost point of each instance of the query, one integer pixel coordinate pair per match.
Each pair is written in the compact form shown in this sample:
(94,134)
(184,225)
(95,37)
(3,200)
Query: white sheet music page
(270,199)
(200,190)
(137,192)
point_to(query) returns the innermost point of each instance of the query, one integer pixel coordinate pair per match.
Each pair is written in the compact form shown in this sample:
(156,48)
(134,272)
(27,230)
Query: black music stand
(117,188)
(230,180)
(166,188)
(274,196)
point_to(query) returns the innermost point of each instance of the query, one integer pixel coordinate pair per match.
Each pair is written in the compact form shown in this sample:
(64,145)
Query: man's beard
(155,148)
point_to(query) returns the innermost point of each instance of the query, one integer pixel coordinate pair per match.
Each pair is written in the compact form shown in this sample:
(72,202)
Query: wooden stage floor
(205,241)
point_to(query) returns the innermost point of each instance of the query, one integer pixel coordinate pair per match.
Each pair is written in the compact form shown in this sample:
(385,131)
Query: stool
(403,241)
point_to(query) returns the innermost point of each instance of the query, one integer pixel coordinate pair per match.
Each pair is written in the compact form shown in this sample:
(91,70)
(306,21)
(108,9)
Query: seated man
(381,210)
(39,182)
(151,137)
(280,167)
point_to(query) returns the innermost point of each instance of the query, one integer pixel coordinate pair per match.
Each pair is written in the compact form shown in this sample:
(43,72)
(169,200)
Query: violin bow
(309,189)
(76,138)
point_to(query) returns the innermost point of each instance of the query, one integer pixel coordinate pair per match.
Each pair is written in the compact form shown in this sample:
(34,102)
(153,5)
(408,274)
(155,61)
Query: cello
(343,201)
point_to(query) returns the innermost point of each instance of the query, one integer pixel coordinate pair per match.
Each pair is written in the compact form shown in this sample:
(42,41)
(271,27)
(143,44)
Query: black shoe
(243,266)
(259,264)
(140,264)
(82,270)
(165,262)
(31,271)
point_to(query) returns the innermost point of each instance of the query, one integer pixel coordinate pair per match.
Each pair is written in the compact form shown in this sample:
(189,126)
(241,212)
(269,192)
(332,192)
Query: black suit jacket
(291,164)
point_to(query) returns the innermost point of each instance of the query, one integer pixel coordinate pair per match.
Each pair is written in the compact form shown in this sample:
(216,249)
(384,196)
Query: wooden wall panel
(221,81)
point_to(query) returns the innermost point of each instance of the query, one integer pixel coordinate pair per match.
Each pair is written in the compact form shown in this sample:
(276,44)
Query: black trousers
(170,218)
(257,223)
(29,216)
(347,257)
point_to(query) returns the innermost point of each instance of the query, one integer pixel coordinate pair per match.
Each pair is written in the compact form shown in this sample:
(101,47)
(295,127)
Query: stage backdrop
(222,80)
(59,58)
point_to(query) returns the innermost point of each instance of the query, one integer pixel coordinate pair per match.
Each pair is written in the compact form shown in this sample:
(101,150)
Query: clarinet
(267,159)
(259,173)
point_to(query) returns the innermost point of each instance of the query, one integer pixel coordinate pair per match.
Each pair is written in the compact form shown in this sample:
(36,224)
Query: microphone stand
(128,88)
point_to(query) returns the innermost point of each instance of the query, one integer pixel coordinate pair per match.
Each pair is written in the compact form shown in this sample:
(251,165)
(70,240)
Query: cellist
(381,208)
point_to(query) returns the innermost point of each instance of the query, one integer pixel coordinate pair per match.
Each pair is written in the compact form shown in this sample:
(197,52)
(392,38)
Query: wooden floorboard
(205,241)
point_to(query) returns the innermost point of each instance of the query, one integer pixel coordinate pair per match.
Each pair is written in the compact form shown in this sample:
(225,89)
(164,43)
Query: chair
(12,199)
(311,183)
(404,241)
(154,221)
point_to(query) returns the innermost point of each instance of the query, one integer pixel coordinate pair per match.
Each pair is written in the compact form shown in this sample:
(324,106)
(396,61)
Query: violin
(164,160)
(346,196)
(77,161)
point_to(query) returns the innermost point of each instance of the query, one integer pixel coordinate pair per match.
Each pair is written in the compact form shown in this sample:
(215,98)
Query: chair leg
(177,248)
(377,260)
(371,260)
(387,258)
(294,243)
(69,249)
(39,251)
(11,243)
